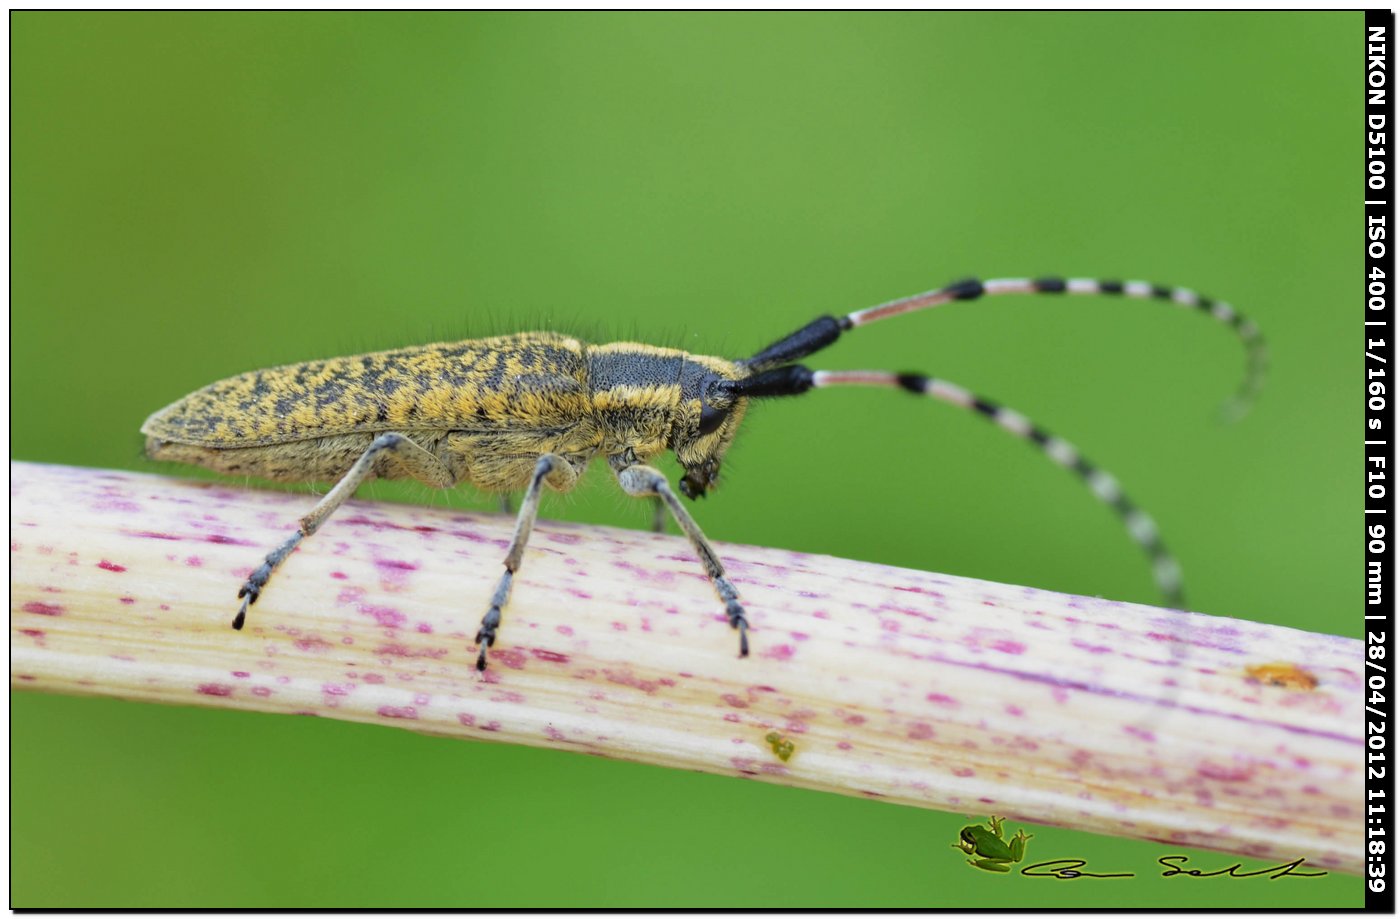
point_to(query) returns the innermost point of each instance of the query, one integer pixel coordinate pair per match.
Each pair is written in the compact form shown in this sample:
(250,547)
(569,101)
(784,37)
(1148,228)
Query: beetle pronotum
(520,412)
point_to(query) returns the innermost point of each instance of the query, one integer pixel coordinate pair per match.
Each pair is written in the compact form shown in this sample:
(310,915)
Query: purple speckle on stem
(1007,646)
(111,566)
(219,539)
(127,601)
(214,689)
(628,678)
(553,657)
(921,731)
(393,711)
(116,504)
(386,616)
(1223,773)
(40,608)
(194,561)
(734,701)
(400,650)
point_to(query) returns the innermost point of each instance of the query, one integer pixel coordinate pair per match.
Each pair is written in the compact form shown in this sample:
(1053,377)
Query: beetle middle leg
(561,475)
(414,461)
(644,481)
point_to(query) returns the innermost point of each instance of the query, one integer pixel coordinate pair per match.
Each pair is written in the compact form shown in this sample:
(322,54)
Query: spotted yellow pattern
(538,380)
(484,409)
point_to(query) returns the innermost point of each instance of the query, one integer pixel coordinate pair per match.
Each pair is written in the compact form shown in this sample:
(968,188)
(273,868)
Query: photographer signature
(992,851)
(1069,869)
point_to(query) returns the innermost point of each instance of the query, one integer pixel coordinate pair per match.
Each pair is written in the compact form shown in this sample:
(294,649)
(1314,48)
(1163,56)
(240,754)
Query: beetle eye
(710,418)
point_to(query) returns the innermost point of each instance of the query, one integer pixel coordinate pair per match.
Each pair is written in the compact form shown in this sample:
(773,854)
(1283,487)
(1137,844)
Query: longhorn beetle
(525,411)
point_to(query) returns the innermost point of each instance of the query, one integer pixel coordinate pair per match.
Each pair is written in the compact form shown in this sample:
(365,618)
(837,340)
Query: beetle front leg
(644,482)
(561,475)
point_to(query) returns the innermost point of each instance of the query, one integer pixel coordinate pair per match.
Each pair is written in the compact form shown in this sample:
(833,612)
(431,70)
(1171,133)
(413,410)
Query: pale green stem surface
(905,686)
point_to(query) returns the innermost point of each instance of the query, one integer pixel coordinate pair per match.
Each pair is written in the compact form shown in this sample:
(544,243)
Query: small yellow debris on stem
(904,686)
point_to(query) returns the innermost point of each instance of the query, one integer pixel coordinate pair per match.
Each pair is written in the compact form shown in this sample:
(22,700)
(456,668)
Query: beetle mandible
(520,412)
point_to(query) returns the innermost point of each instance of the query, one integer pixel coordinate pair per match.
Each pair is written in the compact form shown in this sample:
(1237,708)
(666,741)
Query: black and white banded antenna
(776,374)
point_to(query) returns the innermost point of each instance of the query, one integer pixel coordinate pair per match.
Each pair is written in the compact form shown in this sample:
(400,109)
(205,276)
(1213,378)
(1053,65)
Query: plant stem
(905,686)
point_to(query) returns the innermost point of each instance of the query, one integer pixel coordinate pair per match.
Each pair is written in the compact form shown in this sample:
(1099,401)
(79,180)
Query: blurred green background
(195,195)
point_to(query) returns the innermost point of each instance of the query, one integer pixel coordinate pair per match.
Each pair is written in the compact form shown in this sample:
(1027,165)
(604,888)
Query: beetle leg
(644,481)
(416,461)
(561,475)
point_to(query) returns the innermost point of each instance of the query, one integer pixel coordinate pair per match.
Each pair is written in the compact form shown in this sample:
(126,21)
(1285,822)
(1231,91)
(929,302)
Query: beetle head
(707,419)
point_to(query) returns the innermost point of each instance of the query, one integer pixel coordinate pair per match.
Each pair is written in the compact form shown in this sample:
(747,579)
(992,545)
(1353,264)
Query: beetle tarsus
(737,620)
(486,635)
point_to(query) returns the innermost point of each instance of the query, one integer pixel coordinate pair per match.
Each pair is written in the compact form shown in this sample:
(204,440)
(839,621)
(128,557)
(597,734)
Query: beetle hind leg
(414,461)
